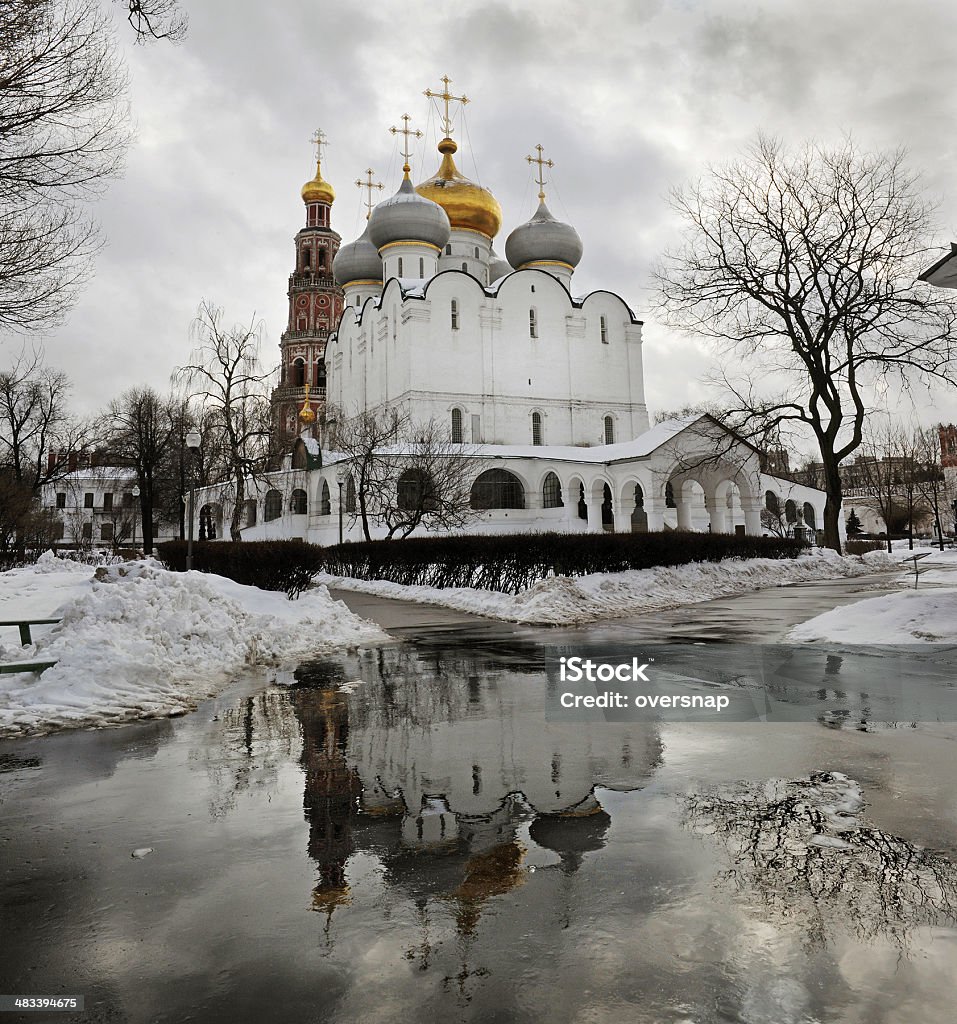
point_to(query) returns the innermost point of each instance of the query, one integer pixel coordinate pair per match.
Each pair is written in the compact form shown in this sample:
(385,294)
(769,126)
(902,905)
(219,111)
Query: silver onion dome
(357,261)
(408,217)
(543,240)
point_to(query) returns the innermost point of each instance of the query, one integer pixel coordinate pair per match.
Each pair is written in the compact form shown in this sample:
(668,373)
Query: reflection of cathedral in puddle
(443,768)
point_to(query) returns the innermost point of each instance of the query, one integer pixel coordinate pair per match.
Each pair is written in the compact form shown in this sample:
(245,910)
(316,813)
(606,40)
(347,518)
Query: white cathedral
(542,389)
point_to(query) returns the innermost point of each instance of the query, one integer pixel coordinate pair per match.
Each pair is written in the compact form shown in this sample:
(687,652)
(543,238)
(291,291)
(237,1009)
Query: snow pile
(142,642)
(563,600)
(910,617)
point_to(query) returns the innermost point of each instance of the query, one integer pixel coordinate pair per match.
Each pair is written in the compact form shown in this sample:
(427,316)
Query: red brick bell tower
(315,305)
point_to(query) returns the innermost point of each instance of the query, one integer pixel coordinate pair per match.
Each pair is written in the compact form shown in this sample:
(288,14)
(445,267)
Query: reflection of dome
(468,205)
(317,190)
(407,217)
(543,240)
(498,267)
(357,261)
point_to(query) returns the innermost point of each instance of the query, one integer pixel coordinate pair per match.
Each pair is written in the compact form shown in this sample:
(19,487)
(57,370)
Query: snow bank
(910,617)
(137,641)
(563,600)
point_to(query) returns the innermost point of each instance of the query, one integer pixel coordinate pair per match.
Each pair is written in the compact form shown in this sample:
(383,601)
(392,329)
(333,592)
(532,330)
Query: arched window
(790,511)
(325,505)
(552,492)
(350,501)
(400,266)
(415,491)
(321,374)
(809,515)
(532,323)
(298,373)
(771,503)
(456,426)
(448,250)
(465,266)
(273,509)
(298,503)
(249,512)
(454,309)
(537,428)
(306,257)
(609,430)
(497,488)
(603,324)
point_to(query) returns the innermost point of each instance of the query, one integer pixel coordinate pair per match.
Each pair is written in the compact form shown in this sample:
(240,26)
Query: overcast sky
(628,97)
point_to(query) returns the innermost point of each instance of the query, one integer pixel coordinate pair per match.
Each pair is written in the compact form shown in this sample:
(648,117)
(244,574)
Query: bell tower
(315,305)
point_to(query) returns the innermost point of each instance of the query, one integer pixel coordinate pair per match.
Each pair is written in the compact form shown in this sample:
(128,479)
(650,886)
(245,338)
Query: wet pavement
(398,834)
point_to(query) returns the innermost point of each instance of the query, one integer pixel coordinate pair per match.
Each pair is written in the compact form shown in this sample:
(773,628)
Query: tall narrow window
(536,428)
(88,500)
(604,330)
(306,258)
(299,373)
(609,430)
(455,314)
(456,426)
(465,266)
(421,267)
(61,499)
(448,250)
(107,502)
(476,252)
(400,266)
(532,324)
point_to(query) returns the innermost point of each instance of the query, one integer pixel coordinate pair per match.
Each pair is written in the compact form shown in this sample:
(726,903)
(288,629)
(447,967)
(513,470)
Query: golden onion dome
(469,206)
(317,190)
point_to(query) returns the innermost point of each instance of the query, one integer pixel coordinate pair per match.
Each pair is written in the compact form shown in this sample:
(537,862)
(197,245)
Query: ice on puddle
(143,851)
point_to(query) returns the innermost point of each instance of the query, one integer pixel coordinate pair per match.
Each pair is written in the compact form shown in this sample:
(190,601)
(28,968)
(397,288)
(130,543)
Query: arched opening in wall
(809,518)
(415,491)
(325,504)
(552,492)
(609,428)
(607,509)
(298,503)
(306,257)
(771,503)
(533,323)
(790,512)
(273,505)
(249,512)
(465,267)
(639,518)
(582,504)
(299,373)
(456,426)
(497,488)
(210,522)
(321,375)
(734,513)
(454,310)
(537,428)
(350,501)
(670,496)
(448,250)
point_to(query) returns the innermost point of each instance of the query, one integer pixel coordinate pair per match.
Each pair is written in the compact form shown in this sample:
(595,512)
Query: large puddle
(399,835)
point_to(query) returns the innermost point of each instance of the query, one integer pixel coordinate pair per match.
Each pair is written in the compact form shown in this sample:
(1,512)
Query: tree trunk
(234,531)
(832,506)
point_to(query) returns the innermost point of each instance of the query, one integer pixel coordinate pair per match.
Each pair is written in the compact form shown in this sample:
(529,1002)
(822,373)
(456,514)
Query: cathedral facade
(541,390)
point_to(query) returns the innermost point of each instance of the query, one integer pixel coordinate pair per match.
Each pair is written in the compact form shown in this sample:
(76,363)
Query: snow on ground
(563,600)
(925,614)
(143,642)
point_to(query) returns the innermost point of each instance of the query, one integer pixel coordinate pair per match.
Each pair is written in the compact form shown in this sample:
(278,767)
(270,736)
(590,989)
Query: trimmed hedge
(512,562)
(287,565)
(861,547)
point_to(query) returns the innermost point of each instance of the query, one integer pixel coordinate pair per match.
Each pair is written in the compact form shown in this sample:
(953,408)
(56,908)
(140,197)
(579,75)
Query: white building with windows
(543,388)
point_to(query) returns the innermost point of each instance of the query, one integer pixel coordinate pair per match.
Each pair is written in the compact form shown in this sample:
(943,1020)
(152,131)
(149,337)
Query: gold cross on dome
(407,132)
(542,164)
(368,184)
(319,140)
(446,97)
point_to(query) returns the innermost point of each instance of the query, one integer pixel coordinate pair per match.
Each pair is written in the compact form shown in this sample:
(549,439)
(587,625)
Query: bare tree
(933,485)
(64,128)
(406,475)
(803,265)
(231,390)
(156,19)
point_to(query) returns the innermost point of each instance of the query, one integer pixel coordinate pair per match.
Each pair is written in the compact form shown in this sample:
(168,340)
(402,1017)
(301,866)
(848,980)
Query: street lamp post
(136,494)
(192,443)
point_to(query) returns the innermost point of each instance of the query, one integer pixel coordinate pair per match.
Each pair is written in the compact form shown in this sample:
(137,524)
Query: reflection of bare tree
(800,846)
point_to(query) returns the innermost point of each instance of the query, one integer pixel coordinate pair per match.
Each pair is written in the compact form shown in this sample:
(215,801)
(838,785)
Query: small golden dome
(317,190)
(469,206)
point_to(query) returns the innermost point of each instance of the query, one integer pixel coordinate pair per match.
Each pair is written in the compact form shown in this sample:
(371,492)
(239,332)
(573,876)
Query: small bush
(287,565)
(513,562)
(861,547)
